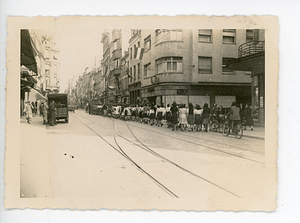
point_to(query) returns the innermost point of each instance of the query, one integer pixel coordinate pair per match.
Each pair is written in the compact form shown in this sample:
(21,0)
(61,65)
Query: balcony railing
(117,54)
(251,48)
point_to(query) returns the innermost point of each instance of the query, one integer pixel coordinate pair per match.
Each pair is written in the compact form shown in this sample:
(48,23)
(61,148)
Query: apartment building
(187,66)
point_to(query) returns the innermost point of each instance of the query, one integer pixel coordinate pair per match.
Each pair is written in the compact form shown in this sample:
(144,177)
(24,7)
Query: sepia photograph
(113,115)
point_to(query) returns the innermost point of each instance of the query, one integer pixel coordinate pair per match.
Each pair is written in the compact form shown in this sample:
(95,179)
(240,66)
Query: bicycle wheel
(214,126)
(226,129)
(239,131)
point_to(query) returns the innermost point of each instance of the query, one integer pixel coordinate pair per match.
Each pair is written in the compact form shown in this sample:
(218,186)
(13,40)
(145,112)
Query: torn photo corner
(142,113)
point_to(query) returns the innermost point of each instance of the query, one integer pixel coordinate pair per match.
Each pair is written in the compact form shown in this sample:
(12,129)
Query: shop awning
(27,54)
(35,95)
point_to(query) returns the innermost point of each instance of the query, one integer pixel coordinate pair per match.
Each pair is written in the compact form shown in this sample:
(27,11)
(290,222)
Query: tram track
(147,149)
(199,144)
(122,153)
(205,146)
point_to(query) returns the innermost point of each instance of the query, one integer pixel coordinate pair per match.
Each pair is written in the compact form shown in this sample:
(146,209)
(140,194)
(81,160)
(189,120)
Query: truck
(61,105)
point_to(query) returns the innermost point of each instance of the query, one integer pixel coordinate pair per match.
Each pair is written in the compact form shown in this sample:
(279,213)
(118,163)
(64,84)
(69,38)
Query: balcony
(251,57)
(116,34)
(251,48)
(116,54)
(116,71)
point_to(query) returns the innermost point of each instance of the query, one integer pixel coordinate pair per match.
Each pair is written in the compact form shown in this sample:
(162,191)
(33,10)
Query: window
(138,71)
(205,35)
(131,53)
(249,35)
(134,73)
(163,35)
(147,43)
(169,64)
(229,36)
(204,65)
(130,74)
(47,72)
(225,70)
(147,69)
(55,70)
(139,44)
(47,54)
(47,81)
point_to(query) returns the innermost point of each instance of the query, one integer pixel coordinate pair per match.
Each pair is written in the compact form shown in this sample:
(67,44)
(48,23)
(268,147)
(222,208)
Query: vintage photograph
(143,117)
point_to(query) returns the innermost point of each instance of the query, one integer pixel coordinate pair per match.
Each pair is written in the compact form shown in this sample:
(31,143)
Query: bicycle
(214,124)
(235,126)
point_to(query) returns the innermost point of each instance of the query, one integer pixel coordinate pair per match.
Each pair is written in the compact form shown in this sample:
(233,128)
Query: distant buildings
(165,65)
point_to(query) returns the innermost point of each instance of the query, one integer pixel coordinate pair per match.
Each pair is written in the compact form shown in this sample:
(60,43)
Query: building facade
(251,58)
(187,66)
(51,66)
(111,63)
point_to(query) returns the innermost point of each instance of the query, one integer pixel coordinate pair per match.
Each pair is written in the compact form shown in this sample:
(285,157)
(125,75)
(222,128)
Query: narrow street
(94,156)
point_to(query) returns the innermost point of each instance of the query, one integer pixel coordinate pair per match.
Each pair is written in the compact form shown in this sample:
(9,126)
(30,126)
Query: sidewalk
(33,158)
(257,133)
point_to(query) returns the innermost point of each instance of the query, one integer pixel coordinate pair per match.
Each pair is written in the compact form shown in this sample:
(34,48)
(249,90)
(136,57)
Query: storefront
(200,94)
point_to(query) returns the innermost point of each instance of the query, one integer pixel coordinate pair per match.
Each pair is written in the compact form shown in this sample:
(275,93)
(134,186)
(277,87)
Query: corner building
(187,66)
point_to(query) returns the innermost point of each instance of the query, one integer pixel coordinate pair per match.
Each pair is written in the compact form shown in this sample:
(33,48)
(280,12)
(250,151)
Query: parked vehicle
(61,105)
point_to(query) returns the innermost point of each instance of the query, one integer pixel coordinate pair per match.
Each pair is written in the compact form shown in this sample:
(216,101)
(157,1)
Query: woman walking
(45,112)
(160,111)
(168,116)
(182,117)
(191,118)
(249,118)
(205,116)
(174,112)
(152,114)
(28,112)
(198,114)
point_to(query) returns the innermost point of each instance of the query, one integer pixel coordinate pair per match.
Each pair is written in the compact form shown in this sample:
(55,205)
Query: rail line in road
(199,144)
(121,151)
(146,148)
(190,136)
(208,147)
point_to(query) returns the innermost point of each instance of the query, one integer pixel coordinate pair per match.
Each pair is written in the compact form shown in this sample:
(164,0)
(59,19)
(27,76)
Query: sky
(79,47)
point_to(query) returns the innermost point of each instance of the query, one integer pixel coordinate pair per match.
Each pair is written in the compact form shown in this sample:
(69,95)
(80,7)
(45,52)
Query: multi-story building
(187,66)
(124,78)
(251,58)
(51,65)
(111,64)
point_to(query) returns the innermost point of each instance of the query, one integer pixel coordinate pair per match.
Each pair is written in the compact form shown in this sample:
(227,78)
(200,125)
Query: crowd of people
(32,109)
(176,116)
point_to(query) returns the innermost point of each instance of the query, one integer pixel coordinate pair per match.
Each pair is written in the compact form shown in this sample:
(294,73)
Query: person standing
(205,116)
(249,118)
(174,112)
(52,114)
(160,111)
(45,112)
(191,118)
(182,117)
(28,112)
(168,116)
(198,114)
(152,114)
(242,113)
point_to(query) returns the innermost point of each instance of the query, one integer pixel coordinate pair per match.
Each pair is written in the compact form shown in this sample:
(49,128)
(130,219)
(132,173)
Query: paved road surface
(94,156)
